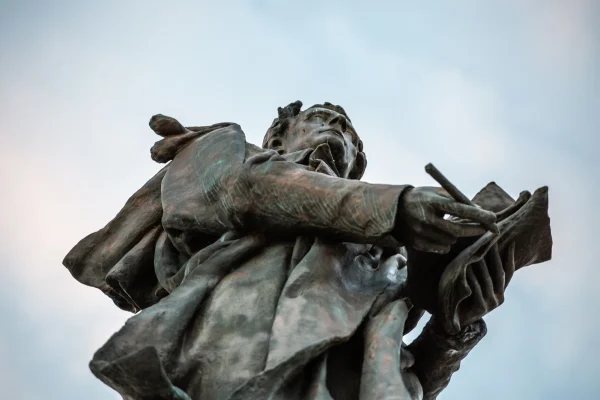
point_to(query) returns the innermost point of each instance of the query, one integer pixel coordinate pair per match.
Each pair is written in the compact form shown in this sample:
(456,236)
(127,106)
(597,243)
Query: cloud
(462,120)
(564,35)
(12,382)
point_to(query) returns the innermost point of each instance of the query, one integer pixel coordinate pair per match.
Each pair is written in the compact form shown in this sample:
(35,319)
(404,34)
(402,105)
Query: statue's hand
(420,221)
(486,281)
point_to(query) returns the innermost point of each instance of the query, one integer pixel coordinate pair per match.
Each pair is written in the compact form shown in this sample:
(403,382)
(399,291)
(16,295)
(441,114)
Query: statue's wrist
(399,231)
(468,337)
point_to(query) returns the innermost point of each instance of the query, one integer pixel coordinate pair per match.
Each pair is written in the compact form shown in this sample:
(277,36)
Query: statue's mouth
(334,131)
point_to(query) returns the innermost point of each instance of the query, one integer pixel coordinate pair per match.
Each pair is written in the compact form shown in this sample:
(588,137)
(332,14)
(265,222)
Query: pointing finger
(464,211)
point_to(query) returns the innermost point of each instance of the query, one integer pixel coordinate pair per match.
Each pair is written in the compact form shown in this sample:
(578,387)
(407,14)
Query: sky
(504,91)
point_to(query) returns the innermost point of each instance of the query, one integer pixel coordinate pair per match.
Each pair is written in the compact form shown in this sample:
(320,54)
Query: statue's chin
(337,146)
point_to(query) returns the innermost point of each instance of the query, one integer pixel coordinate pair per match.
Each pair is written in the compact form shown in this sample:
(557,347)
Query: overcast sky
(487,90)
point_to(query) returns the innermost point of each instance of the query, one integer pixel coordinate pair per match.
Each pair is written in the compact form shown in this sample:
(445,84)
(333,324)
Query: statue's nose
(339,122)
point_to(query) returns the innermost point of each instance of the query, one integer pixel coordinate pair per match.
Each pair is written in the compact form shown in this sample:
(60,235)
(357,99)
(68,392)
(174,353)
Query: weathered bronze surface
(273,272)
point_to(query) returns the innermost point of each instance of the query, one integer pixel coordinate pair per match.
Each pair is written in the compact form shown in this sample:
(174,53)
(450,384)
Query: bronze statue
(273,272)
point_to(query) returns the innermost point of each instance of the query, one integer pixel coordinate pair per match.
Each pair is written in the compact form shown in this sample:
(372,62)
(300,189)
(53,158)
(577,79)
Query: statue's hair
(279,128)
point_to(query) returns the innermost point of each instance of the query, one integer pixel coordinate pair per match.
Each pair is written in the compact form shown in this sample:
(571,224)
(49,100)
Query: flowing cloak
(245,266)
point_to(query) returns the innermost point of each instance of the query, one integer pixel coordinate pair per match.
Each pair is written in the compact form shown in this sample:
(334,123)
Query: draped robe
(249,276)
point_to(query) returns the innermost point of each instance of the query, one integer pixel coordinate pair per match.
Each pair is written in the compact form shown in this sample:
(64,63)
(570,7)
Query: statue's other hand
(420,221)
(486,280)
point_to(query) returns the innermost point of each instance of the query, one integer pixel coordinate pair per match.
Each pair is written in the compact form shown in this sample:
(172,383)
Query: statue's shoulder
(176,136)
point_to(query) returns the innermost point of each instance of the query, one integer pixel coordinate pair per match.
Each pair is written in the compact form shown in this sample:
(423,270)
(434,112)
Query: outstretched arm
(218,183)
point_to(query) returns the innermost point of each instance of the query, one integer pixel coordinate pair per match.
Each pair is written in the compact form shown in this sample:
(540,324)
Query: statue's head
(295,130)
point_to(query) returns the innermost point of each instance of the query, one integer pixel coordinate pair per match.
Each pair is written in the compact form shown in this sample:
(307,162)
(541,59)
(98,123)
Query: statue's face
(316,126)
